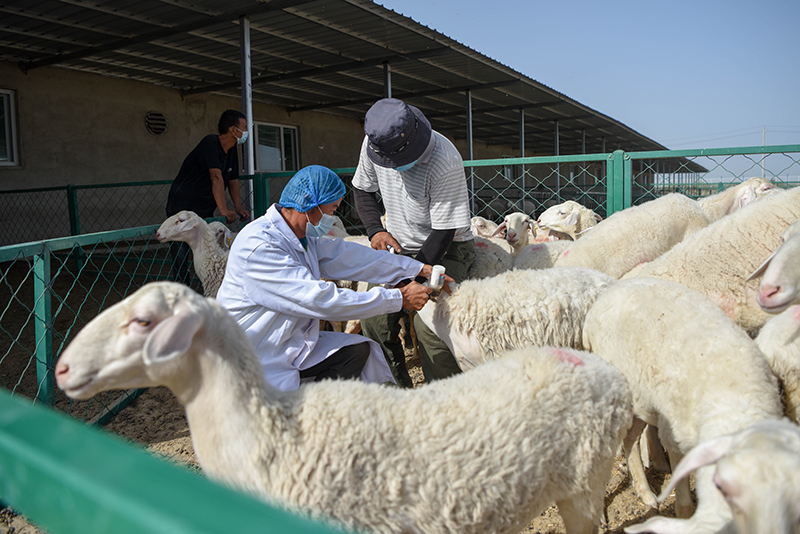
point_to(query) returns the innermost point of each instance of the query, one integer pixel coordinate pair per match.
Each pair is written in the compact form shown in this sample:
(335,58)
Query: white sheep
(779,341)
(636,235)
(209,258)
(733,198)
(758,471)
(519,230)
(718,259)
(492,257)
(693,374)
(568,218)
(483,318)
(780,283)
(459,457)
(541,255)
(482,227)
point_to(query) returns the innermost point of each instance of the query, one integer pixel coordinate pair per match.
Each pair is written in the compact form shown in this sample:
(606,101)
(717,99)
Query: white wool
(718,260)
(474,453)
(693,374)
(636,235)
(209,258)
(492,257)
(483,318)
(540,255)
(779,340)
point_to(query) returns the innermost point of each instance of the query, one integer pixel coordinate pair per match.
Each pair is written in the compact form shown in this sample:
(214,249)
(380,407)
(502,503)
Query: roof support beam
(248,155)
(537,105)
(419,94)
(306,73)
(160,33)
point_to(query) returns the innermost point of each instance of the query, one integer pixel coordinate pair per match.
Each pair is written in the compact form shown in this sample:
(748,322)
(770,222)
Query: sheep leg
(633,455)
(413,334)
(575,520)
(353,327)
(653,454)
(683,495)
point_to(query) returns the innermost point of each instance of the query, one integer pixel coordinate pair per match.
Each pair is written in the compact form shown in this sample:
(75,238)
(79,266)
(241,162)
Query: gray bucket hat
(398,133)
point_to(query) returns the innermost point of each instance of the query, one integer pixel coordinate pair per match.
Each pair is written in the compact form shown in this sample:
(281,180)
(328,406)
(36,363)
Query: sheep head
(517,226)
(781,274)
(758,472)
(135,343)
(183,226)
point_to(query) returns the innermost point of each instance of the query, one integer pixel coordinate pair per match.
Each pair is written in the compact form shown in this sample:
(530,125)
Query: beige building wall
(80,128)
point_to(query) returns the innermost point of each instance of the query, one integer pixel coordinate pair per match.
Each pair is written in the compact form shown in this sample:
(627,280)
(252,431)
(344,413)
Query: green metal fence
(50,288)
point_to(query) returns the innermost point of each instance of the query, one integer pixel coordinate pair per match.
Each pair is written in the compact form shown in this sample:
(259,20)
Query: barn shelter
(147,78)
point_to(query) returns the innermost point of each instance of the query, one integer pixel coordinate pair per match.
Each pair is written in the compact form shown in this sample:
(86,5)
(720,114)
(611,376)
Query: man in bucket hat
(420,176)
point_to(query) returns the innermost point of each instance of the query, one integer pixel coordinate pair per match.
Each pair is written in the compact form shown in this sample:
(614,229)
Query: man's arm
(233,187)
(370,215)
(434,248)
(218,190)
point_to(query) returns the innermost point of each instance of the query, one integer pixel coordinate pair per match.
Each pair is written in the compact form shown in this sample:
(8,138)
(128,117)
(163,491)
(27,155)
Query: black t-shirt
(191,189)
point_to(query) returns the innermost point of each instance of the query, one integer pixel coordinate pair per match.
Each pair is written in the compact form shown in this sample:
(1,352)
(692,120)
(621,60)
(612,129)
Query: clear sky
(688,74)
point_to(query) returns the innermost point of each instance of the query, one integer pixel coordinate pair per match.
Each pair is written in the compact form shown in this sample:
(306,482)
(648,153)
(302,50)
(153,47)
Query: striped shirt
(432,195)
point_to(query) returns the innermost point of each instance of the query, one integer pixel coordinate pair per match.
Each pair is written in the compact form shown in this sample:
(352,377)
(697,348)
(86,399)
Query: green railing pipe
(72,479)
(43,321)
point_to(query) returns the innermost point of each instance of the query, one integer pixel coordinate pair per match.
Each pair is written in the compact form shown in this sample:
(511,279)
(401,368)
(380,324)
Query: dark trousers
(436,360)
(347,362)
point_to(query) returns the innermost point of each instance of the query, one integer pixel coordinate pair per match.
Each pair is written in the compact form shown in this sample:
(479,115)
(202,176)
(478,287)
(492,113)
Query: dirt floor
(156,420)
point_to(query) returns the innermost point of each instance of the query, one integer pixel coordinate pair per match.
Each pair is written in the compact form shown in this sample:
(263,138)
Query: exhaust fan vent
(156,122)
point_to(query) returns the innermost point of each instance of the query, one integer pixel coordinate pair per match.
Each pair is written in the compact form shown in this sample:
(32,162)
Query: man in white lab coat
(274,287)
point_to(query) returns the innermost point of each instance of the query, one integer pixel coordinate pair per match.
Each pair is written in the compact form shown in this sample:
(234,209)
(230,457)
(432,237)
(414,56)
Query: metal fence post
(619,180)
(43,321)
(260,195)
(72,206)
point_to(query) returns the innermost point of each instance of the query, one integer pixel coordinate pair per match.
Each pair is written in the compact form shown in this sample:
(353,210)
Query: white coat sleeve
(343,260)
(282,284)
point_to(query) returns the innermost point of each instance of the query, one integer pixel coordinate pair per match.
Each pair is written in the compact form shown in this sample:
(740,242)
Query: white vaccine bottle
(436,280)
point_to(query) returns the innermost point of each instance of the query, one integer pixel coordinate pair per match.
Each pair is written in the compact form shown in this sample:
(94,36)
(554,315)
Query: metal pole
(247,95)
(469,152)
(558,167)
(522,154)
(387,79)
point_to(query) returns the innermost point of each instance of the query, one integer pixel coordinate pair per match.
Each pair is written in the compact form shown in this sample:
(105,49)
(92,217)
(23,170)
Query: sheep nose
(61,369)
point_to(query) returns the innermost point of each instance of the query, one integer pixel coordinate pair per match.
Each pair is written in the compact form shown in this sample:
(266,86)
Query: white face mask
(243,139)
(324,226)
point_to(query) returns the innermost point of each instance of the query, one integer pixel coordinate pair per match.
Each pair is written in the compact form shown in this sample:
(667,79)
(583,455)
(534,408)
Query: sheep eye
(143,322)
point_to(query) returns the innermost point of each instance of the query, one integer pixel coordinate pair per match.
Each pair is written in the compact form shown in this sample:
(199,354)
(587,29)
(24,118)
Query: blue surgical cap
(312,186)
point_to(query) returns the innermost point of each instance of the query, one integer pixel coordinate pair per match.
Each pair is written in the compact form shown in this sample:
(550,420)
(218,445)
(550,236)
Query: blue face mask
(405,167)
(325,225)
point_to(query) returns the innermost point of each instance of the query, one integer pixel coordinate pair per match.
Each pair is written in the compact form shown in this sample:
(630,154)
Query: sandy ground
(156,420)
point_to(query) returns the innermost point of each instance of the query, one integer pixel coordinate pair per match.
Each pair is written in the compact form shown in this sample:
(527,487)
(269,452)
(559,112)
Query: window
(8,129)
(276,148)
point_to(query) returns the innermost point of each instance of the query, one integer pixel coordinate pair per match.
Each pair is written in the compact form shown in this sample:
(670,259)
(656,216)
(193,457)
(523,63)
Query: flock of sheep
(677,316)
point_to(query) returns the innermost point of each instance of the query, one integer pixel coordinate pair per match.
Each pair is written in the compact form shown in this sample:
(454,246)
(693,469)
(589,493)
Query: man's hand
(426,272)
(243,213)
(383,240)
(415,296)
(229,215)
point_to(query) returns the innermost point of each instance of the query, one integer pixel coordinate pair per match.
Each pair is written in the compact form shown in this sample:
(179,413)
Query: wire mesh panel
(104,208)
(531,185)
(33,215)
(699,173)
(50,290)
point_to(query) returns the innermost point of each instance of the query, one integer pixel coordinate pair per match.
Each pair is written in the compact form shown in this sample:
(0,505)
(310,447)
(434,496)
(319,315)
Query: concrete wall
(80,128)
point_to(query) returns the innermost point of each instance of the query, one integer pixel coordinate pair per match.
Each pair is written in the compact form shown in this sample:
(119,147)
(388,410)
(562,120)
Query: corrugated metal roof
(325,55)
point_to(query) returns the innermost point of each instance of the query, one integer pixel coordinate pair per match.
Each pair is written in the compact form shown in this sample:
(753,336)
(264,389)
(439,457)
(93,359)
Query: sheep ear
(763,267)
(748,195)
(704,454)
(572,219)
(597,217)
(499,228)
(173,336)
